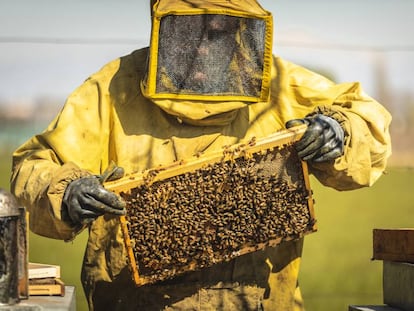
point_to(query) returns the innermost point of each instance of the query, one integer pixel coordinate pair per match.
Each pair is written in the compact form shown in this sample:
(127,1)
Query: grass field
(337,269)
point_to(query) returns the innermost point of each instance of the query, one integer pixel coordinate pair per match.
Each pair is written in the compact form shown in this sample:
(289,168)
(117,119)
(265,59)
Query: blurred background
(48,48)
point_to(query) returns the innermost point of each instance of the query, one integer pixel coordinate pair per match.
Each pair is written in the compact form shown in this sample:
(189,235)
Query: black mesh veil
(210,54)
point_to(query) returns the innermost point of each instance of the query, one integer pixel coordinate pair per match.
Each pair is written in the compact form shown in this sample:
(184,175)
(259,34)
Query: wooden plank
(182,166)
(394,244)
(372,308)
(398,284)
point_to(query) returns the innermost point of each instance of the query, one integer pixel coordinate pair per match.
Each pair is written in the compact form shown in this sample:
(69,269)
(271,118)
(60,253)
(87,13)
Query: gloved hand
(323,139)
(85,199)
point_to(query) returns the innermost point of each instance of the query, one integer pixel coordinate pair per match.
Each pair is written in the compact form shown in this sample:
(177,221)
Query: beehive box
(394,244)
(398,284)
(215,207)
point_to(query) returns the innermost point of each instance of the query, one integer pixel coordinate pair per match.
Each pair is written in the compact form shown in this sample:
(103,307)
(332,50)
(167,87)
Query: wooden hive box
(215,207)
(398,284)
(394,244)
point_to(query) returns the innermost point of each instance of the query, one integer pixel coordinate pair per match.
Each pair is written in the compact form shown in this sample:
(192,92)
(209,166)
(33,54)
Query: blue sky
(47,48)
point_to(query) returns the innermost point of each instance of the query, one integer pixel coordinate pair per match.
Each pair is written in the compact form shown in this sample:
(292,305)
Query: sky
(48,48)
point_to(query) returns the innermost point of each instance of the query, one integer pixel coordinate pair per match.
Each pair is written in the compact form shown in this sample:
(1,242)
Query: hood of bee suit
(208,59)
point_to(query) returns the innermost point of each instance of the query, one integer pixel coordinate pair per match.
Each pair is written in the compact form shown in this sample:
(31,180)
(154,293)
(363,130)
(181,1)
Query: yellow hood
(174,54)
(201,113)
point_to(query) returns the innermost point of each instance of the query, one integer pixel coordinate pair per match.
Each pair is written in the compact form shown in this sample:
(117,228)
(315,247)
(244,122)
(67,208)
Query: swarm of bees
(217,212)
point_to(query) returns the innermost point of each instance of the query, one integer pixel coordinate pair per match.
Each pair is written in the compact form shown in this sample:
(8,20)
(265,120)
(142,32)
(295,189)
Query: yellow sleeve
(365,121)
(72,146)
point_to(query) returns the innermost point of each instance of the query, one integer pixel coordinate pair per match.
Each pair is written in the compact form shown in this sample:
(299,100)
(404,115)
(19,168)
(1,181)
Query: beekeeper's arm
(352,159)
(70,152)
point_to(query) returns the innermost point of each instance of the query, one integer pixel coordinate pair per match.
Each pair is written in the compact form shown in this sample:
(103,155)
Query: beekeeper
(207,80)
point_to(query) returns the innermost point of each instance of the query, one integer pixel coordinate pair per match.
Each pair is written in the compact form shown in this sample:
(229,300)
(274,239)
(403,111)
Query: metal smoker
(13,250)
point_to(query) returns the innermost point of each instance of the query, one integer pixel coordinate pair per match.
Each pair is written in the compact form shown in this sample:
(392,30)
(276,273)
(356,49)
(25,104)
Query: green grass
(337,269)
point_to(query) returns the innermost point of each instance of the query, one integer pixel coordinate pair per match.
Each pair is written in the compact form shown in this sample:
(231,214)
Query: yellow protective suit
(107,118)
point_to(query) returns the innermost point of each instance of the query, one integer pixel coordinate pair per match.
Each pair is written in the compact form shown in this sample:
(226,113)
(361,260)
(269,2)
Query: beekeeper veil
(215,50)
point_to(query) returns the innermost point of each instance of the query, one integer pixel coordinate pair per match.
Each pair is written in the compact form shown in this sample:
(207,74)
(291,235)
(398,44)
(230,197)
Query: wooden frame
(279,140)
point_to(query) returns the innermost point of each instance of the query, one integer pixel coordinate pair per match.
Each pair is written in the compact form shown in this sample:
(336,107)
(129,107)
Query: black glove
(323,139)
(85,199)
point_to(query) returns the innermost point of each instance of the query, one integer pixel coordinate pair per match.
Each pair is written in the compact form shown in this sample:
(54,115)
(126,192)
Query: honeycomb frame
(170,228)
